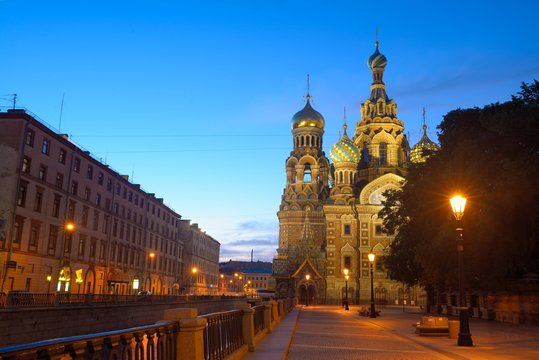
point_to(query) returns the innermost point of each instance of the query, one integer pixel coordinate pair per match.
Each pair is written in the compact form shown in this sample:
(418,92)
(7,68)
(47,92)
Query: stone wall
(18,326)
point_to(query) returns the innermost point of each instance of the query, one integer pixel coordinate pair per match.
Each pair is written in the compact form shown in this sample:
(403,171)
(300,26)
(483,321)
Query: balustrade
(141,343)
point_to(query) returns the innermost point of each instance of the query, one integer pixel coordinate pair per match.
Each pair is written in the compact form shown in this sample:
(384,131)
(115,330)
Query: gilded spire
(424,122)
(344,126)
(308,96)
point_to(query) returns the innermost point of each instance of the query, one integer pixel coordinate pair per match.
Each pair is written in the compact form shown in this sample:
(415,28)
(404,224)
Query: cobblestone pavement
(329,332)
(326,332)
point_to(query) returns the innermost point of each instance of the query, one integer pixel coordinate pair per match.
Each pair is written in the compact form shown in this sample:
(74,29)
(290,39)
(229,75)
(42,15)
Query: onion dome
(344,150)
(377,60)
(417,152)
(308,117)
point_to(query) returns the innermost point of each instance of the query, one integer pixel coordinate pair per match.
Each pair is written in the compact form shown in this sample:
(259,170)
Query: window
(53,236)
(109,184)
(42,172)
(45,146)
(34,235)
(107,203)
(347,262)
(97,199)
(68,239)
(130,196)
(23,189)
(30,135)
(71,210)
(96,220)
(62,156)
(379,263)
(118,188)
(100,178)
(378,230)
(56,205)
(364,156)
(82,244)
(90,172)
(17,231)
(102,247)
(26,162)
(38,200)
(105,223)
(84,218)
(87,193)
(59,180)
(125,193)
(383,153)
(74,187)
(93,244)
(76,165)
(347,229)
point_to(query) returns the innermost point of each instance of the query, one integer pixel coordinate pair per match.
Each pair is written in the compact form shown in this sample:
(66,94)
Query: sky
(193,99)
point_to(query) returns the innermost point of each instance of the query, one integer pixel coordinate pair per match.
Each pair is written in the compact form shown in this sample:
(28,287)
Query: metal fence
(156,342)
(223,334)
(258,318)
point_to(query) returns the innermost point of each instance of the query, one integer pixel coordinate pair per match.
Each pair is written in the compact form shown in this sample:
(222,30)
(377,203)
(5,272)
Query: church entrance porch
(307,294)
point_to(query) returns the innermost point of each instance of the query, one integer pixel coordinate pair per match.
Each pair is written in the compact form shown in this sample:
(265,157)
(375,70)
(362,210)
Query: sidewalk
(330,332)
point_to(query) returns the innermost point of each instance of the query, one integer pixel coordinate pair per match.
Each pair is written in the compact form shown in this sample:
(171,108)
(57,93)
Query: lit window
(26,162)
(45,146)
(76,165)
(42,173)
(30,134)
(62,156)
(347,229)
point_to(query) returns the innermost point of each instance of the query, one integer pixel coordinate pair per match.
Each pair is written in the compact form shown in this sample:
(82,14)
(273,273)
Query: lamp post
(222,276)
(151,263)
(346,277)
(194,272)
(307,277)
(458,203)
(371,260)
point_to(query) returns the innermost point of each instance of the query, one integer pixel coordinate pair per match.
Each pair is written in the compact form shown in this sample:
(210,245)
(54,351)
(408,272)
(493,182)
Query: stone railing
(142,342)
(181,335)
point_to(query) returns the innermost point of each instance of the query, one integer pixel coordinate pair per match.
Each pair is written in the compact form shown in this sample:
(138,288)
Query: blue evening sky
(193,99)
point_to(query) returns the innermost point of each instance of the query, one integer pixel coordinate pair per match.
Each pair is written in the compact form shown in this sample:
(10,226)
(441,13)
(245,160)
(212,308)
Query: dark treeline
(491,156)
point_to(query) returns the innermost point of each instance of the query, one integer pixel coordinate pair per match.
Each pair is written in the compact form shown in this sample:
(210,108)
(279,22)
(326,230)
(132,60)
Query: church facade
(328,219)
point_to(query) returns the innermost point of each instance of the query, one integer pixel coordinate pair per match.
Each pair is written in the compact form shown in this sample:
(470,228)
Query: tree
(491,155)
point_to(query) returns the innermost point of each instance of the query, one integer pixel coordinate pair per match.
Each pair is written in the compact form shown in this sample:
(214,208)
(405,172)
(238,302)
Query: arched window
(302,141)
(307,173)
(308,140)
(340,176)
(364,156)
(351,178)
(383,153)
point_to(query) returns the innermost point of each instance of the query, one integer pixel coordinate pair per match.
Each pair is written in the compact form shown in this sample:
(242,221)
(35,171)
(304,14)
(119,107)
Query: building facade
(69,223)
(328,219)
(201,260)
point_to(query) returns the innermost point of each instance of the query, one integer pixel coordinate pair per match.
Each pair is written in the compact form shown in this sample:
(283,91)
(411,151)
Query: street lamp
(458,203)
(222,276)
(194,272)
(371,257)
(307,277)
(346,277)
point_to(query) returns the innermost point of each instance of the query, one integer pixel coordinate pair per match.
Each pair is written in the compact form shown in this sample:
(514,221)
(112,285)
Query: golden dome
(308,117)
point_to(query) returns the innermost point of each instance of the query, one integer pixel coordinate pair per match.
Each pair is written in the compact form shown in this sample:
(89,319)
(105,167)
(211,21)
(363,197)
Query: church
(328,221)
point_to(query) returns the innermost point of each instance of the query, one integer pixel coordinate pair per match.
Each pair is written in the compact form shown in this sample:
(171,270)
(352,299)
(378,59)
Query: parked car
(144,293)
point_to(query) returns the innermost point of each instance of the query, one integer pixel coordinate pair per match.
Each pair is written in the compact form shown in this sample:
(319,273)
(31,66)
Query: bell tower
(306,189)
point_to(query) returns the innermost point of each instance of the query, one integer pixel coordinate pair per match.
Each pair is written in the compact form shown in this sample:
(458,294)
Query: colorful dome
(377,59)
(344,150)
(308,117)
